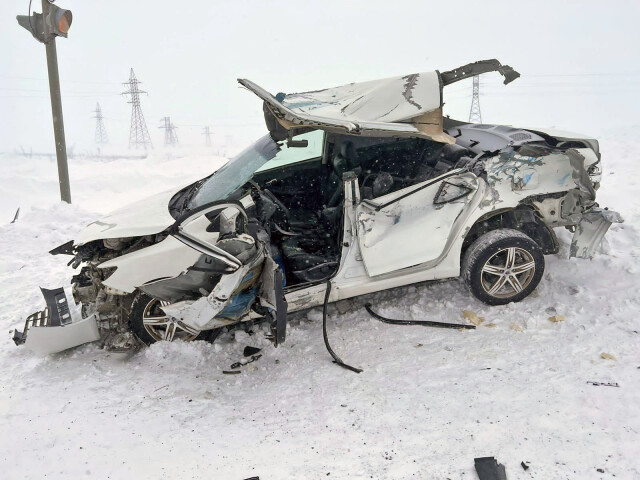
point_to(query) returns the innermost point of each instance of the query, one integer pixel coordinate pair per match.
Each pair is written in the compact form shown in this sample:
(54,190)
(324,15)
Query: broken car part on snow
(424,323)
(355,189)
(488,468)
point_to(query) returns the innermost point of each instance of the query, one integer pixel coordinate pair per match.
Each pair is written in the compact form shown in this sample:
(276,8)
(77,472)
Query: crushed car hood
(144,217)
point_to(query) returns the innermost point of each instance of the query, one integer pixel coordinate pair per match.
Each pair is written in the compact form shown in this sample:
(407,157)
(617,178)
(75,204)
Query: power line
(607,74)
(13,89)
(94,95)
(44,79)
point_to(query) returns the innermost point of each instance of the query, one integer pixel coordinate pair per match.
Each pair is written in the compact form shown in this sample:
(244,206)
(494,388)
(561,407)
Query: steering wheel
(381,183)
(274,210)
(275,200)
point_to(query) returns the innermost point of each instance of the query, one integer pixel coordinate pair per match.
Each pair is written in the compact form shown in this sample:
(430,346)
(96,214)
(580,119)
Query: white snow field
(428,402)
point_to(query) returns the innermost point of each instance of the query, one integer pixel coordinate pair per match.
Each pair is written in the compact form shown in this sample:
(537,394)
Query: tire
(503,266)
(150,324)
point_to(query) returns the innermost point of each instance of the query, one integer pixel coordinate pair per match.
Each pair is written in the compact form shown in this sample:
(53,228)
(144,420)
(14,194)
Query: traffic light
(55,22)
(58,21)
(45,27)
(34,24)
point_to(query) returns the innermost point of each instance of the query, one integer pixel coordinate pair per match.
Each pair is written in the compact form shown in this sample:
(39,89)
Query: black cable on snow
(336,358)
(424,323)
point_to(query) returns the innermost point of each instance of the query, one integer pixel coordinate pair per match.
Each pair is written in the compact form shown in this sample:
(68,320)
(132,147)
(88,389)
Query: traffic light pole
(56,110)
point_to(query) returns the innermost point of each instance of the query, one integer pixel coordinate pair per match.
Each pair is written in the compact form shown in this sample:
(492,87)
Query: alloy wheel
(508,272)
(163,327)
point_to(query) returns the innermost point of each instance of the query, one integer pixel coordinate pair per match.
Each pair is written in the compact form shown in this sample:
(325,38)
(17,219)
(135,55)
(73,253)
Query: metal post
(56,110)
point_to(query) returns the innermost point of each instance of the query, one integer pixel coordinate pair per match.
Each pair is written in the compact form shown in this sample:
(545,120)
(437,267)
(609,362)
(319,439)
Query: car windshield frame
(240,169)
(235,173)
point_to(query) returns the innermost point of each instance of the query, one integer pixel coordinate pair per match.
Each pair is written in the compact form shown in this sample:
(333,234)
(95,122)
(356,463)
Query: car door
(414,225)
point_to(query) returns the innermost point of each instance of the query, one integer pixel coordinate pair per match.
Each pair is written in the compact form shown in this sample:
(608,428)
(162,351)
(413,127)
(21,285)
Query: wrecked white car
(355,189)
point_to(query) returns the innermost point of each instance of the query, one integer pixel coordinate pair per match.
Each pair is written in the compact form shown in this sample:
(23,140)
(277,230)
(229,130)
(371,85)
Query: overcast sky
(579,61)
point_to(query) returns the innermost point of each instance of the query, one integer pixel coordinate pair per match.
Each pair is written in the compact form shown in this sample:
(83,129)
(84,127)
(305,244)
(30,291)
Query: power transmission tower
(474,114)
(206,131)
(138,134)
(101,132)
(170,136)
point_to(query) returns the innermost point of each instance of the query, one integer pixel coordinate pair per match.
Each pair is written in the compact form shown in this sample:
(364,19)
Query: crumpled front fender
(591,230)
(202,314)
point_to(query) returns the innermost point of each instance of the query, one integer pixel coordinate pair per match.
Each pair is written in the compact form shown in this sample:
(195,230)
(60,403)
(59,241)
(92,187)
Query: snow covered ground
(427,403)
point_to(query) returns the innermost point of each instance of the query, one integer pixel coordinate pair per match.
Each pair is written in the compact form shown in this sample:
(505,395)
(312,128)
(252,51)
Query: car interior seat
(441,161)
(314,254)
(344,160)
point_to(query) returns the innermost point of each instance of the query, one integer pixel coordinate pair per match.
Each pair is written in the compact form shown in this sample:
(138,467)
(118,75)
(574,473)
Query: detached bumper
(591,230)
(55,329)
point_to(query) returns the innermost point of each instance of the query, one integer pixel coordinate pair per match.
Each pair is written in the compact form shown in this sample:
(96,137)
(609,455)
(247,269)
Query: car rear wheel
(503,266)
(151,324)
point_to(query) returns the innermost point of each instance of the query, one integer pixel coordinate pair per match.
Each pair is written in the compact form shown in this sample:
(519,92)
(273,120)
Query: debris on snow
(343,306)
(472,317)
(604,384)
(15,218)
(607,356)
(488,468)
(514,326)
(250,351)
(244,361)
(423,323)
(557,318)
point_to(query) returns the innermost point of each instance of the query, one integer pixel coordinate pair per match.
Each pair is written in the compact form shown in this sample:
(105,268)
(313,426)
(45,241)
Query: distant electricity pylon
(170,136)
(206,131)
(474,114)
(138,134)
(101,132)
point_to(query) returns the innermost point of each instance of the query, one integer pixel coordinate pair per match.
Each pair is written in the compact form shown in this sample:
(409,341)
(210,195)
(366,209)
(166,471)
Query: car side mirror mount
(291,143)
(228,221)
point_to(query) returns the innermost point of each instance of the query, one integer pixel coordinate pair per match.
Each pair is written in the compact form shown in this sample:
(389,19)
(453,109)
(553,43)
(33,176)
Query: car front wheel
(151,324)
(503,266)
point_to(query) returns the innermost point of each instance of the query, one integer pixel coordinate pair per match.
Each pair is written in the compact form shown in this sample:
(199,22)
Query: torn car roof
(377,107)
(408,105)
